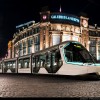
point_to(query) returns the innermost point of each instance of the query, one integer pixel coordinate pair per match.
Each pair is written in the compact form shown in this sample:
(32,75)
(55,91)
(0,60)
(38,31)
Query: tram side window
(68,55)
(42,60)
(33,64)
(37,61)
(73,56)
(56,57)
(48,58)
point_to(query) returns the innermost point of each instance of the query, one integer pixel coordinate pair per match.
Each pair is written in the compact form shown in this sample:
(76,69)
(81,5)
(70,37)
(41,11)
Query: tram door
(56,61)
(53,61)
(24,66)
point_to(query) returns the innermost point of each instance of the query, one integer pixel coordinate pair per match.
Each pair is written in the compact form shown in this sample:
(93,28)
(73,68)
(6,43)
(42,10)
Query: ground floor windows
(75,38)
(56,39)
(66,37)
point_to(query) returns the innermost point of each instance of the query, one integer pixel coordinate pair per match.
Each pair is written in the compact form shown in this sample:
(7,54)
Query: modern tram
(66,58)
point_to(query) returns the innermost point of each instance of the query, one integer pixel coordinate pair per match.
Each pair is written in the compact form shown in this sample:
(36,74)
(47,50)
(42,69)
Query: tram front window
(75,52)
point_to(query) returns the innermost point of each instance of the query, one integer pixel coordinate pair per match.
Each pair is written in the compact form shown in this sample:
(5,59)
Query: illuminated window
(75,38)
(56,39)
(66,38)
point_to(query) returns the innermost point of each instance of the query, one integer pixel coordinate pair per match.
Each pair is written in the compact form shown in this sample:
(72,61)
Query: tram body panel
(43,71)
(69,69)
(24,70)
(84,64)
(0,70)
(93,69)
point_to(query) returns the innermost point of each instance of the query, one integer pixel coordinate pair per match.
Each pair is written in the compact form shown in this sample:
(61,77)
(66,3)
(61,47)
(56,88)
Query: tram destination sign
(64,18)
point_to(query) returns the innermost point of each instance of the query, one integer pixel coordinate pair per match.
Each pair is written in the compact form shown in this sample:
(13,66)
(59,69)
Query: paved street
(27,85)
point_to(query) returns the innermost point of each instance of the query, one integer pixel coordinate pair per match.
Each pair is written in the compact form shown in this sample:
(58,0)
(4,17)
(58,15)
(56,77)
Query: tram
(66,58)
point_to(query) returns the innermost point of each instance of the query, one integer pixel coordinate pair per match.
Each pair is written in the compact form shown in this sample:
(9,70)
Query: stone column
(33,49)
(97,49)
(26,46)
(51,40)
(13,50)
(22,48)
(61,34)
(47,37)
(41,38)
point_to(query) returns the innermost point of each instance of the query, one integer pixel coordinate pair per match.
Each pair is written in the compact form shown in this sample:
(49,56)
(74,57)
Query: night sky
(15,12)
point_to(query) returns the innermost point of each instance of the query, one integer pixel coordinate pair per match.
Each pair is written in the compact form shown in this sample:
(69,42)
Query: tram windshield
(75,52)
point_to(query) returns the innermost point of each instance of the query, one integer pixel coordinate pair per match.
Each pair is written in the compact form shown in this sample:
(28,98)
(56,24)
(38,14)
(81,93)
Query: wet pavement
(29,85)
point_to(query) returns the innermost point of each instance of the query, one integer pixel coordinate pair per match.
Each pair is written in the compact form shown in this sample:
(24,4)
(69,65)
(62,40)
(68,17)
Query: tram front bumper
(93,69)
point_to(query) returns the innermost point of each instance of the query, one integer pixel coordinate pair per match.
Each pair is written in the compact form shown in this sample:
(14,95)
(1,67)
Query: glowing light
(77,46)
(44,17)
(65,17)
(88,42)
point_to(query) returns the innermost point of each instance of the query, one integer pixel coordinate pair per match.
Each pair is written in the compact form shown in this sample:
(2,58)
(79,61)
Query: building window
(30,42)
(56,39)
(33,31)
(30,32)
(36,39)
(29,50)
(37,30)
(20,49)
(37,48)
(66,37)
(24,48)
(75,38)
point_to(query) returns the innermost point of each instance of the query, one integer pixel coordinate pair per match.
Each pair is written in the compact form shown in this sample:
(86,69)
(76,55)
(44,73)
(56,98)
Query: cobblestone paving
(27,85)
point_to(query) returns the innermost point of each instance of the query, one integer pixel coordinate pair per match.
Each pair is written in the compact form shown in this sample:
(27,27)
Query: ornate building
(53,29)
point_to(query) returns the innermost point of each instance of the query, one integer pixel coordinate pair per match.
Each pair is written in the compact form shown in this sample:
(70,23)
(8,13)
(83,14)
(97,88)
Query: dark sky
(15,12)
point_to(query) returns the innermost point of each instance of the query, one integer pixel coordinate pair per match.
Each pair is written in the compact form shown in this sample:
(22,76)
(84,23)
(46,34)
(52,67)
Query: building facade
(53,29)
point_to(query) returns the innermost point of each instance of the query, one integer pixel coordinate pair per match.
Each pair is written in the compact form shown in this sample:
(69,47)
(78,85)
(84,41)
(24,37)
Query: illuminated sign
(65,18)
(62,17)
(22,25)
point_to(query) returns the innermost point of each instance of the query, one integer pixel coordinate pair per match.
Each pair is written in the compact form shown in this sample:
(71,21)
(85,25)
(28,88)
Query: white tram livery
(67,58)
(70,58)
